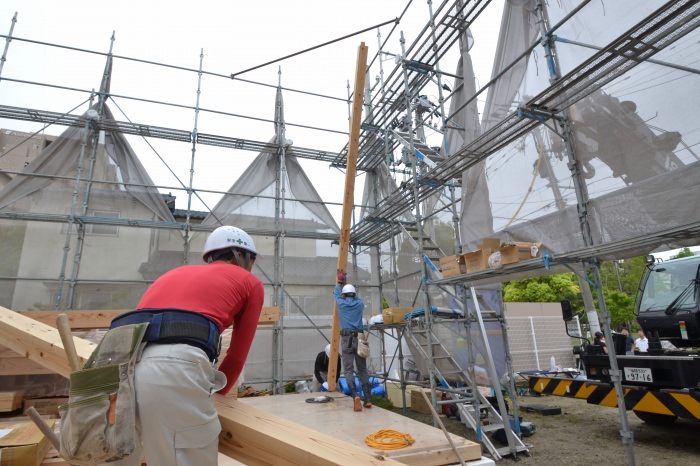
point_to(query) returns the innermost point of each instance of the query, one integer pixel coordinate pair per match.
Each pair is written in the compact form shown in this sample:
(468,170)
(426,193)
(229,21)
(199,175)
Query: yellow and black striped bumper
(684,404)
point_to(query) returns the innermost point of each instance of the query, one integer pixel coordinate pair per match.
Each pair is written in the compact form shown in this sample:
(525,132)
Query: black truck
(662,383)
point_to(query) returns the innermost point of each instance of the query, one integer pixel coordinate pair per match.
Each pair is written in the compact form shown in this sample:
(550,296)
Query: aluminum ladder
(475,411)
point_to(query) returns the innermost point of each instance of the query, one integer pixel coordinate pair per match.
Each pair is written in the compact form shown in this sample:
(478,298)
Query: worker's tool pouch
(98,423)
(362,345)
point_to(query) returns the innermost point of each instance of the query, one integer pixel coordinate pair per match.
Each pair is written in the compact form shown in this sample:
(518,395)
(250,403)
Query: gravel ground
(586,434)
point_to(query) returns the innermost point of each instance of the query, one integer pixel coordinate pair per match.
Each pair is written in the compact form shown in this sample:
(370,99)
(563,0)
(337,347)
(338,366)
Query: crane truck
(659,385)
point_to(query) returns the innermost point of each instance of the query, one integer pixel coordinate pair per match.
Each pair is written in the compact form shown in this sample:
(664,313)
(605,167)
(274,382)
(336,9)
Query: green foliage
(620,281)
(547,289)
(382,402)
(685,252)
(620,306)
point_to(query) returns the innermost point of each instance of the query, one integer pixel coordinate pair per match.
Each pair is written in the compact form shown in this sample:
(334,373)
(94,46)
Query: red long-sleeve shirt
(226,293)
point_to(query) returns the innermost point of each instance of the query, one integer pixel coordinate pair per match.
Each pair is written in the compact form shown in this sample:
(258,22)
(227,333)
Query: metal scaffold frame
(416,66)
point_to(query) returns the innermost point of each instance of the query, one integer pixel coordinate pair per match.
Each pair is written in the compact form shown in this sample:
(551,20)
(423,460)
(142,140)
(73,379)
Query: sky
(226,38)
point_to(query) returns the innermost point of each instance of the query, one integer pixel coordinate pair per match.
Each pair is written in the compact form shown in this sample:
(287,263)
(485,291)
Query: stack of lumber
(250,434)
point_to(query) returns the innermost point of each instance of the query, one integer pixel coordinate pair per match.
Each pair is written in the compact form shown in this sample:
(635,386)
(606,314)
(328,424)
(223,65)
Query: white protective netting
(635,138)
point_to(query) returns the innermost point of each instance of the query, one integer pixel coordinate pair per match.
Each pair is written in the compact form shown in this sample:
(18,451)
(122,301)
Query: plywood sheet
(338,420)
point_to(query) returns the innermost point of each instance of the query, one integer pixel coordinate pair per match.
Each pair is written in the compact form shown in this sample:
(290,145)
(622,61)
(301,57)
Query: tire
(655,418)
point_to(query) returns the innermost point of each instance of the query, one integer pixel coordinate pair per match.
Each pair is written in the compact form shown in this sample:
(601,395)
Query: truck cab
(667,302)
(667,309)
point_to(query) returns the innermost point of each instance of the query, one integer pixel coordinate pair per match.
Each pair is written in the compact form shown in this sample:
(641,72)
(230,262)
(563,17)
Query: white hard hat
(348,289)
(328,350)
(228,237)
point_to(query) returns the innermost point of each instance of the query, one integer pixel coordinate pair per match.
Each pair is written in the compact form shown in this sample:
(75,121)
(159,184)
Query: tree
(685,252)
(620,306)
(550,288)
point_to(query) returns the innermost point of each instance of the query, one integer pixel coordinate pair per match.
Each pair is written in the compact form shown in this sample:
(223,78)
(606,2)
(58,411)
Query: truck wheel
(655,418)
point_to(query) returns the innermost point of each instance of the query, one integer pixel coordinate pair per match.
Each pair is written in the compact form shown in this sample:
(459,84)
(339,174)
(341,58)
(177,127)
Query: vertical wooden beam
(348,200)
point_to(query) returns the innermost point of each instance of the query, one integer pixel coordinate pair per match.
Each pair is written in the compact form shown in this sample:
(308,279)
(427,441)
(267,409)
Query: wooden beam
(12,363)
(82,320)
(280,441)
(247,432)
(348,200)
(39,342)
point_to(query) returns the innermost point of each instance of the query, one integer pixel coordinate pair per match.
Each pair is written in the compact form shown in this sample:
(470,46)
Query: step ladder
(475,411)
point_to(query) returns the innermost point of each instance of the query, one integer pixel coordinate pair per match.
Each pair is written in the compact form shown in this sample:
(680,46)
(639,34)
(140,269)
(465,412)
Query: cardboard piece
(490,243)
(22,443)
(418,403)
(395,315)
(452,266)
(519,251)
(477,260)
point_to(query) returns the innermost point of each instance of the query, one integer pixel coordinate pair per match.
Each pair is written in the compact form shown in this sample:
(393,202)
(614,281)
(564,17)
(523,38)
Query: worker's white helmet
(328,350)
(228,237)
(347,289)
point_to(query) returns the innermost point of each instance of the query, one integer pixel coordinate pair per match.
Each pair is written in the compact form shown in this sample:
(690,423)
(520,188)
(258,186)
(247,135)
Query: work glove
(324,387)
(341,277)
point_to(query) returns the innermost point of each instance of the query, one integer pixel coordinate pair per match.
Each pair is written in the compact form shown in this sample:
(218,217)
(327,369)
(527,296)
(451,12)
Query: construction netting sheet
(635,139)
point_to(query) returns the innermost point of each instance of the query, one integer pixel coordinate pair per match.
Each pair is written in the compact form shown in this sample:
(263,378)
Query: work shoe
(358,404)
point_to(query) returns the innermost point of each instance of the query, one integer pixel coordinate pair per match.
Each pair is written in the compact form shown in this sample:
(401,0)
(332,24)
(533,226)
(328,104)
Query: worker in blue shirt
(350,308)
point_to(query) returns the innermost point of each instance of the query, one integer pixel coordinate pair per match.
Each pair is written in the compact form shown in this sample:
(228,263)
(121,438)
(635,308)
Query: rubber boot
(367,389)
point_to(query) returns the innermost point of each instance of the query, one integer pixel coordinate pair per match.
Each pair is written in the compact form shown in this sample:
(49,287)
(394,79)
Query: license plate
(638,374)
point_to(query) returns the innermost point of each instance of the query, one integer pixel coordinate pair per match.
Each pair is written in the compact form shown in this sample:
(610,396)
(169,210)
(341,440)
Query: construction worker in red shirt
(188,308)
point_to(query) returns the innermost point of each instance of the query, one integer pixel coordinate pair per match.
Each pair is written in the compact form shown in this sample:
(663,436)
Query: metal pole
(494,378)
(280,196)
(186,249)
(582,198)
(419,227)
(104,89)
(7,42)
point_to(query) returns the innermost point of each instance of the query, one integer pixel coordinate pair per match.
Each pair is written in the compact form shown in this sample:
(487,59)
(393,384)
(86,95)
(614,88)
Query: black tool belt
(176,326)
(348,332)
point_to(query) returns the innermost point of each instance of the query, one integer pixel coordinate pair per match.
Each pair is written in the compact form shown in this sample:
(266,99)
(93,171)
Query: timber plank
(243,425)
(39,342)
(15,364)
(338,419)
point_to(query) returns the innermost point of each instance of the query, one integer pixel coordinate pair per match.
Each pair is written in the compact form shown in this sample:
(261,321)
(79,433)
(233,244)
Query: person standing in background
(642,343)
(600,341)
(629,342)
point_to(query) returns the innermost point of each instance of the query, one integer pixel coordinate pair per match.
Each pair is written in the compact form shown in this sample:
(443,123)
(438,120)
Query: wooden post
(348,200)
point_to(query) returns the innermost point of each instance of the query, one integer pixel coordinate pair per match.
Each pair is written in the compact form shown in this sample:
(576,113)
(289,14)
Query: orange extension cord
(387,439)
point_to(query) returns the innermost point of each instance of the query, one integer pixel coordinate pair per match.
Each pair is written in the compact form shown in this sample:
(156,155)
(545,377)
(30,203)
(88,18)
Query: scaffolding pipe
(80,240)
(8,39)
(582,198)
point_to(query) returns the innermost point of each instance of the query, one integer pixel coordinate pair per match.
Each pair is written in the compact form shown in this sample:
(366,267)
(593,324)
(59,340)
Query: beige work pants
(177,421)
